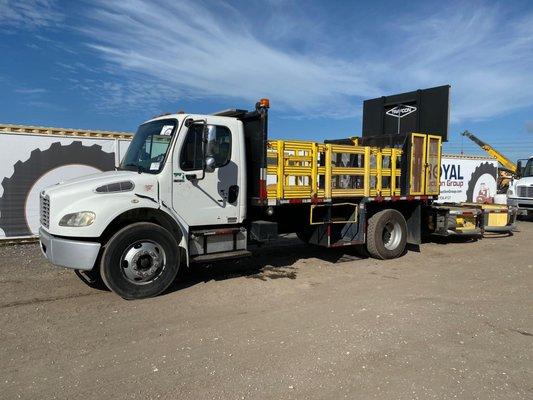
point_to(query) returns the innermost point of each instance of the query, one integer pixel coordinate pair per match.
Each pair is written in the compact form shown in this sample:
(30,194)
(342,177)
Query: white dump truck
(520,193)
(206,187)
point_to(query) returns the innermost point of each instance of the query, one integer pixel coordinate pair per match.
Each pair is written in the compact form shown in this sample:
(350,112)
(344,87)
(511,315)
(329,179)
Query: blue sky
(113,64)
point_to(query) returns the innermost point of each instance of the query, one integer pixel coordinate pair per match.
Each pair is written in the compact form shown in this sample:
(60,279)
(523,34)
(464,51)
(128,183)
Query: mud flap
(414,223)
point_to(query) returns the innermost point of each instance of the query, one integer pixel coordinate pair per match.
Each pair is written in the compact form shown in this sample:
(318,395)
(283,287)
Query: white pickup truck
(520,193)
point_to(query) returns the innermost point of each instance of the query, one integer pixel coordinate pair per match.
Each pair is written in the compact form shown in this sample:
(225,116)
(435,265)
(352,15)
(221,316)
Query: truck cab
(520,193)
(180,171)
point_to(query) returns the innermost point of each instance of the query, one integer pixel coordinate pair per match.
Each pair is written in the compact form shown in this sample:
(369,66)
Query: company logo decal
(401,111)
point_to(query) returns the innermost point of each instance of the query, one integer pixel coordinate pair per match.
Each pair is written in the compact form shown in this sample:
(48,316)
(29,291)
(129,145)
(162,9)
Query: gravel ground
(452,320)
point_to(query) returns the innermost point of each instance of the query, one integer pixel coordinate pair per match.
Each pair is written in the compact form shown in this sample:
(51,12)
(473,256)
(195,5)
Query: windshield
(149,146)
(528,169)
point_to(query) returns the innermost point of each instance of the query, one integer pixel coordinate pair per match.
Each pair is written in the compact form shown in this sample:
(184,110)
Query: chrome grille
(524,191)
(45,210)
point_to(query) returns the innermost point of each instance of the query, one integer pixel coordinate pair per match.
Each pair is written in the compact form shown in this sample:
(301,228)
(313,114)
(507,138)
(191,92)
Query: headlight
(510,192)
(82,218)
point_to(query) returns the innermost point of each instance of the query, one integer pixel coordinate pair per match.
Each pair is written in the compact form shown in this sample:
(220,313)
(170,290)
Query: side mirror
(209,164)
(209,160)
(519,168)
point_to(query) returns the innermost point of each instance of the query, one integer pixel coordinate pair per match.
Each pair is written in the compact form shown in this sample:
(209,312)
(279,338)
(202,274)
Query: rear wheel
(139,261)
(386,234)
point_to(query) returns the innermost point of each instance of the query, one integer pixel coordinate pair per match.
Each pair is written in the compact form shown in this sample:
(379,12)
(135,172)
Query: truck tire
(91,278)
(386,234)
(305,235)
(140,261)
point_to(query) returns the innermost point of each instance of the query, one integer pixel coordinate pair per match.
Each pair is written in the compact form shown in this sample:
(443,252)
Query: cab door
(208,198)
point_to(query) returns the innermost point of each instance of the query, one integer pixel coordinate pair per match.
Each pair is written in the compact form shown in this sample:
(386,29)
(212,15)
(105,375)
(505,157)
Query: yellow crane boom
(504,161)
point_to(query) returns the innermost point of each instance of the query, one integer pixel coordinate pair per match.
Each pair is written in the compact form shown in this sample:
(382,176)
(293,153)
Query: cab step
(227,255)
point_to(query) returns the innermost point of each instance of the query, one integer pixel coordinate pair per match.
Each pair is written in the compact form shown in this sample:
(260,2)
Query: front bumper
(499,219)
(523,203)
(68,253)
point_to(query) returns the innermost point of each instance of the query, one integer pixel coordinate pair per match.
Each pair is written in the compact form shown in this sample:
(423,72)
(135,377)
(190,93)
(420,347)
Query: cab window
(218,146)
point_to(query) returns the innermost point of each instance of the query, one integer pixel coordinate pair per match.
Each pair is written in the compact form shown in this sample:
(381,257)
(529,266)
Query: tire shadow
(444,240)
(525,218)
(274,261)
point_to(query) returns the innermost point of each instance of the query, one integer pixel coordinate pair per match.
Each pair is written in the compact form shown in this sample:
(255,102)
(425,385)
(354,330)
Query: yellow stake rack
(307,170)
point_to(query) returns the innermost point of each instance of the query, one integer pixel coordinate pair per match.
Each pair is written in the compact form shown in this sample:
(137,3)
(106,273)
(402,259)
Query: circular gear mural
(482,184)
(41,167)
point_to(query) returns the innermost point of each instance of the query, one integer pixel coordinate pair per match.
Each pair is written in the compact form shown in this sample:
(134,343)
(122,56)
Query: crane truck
(200,188)
(510,169)
(519,184)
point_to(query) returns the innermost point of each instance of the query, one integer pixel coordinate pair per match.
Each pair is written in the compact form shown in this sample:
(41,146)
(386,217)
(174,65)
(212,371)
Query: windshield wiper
(138,166)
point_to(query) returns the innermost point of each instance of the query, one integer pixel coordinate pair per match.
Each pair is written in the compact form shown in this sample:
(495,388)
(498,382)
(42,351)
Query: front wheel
(91,278)
(386,234)
(139,261)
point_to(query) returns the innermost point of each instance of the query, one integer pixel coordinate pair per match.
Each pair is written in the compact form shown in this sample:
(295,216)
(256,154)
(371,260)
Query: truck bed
(312,171)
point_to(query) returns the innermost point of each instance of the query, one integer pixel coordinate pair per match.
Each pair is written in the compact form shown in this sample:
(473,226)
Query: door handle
(233,193)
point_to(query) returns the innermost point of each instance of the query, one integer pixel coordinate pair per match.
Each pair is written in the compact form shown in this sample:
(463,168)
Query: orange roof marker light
(264,103)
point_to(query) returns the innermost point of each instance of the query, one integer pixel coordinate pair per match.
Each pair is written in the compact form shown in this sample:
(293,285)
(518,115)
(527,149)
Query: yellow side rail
(307,170)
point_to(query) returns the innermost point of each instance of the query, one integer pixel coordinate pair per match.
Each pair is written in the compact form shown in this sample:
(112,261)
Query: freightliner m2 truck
(207,187)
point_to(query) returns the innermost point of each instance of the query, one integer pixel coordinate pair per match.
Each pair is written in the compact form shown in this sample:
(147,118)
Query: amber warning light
(264,103)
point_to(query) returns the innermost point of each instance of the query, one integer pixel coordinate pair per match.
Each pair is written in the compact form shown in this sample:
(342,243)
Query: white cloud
(30,91)
(211,51)
(219,57)
(115,98)
(29,14)
(485,53)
